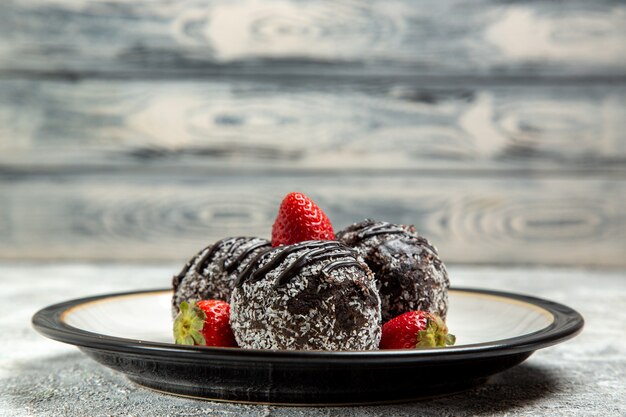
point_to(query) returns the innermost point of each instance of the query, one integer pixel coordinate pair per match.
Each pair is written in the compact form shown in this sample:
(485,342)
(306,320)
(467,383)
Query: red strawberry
(415,329)
(204,323)
(300,219)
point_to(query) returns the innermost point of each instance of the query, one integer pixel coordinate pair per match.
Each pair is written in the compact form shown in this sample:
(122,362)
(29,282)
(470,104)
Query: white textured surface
(582,377)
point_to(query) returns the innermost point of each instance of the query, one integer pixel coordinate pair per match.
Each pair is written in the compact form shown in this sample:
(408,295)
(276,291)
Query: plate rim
(566,324)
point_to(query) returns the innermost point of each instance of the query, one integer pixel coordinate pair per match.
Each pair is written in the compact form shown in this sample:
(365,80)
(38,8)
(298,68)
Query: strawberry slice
(415,329)
(300,219)
(205,323)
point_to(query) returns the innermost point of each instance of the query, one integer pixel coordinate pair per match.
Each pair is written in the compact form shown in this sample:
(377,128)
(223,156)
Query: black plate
(307,377)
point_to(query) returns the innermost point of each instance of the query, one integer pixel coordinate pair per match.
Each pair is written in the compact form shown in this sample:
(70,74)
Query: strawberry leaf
(435,335)
(188,325)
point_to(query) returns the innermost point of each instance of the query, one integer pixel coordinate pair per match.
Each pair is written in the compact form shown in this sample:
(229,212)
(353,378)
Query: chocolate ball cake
(407,267)
(313,295)
(212,272)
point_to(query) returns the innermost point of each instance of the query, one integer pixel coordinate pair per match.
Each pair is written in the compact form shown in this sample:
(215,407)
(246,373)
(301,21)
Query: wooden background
(143,130)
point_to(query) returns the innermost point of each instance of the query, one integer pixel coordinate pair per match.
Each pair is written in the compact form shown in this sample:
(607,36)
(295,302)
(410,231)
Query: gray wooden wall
(143,130)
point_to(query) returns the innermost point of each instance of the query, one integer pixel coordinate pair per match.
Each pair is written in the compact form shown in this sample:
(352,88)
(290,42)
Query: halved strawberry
(300,219)
(205,323)
(415,329)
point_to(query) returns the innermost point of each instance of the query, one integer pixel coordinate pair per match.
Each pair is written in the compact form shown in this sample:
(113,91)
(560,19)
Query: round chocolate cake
(313,295)
(408,270)
(212,272)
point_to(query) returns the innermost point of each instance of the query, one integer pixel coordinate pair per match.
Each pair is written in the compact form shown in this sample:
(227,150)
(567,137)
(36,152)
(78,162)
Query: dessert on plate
(407,267)
(313,295)
(308,289)
(211,273)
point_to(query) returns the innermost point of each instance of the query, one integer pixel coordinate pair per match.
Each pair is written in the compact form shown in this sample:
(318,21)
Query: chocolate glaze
(341,263)
(206,259)
(234,242)
(314,250)
(385,228)
(232,265)
(314,255)
(211,273)
(379,229)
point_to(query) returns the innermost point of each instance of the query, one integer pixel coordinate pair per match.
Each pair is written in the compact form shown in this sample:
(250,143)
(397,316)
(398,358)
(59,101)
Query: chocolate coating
(212,272)
(315,295)
(407,267)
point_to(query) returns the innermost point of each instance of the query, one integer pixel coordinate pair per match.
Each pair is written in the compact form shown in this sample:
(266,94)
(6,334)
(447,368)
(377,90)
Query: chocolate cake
(313,295)
(212,272)
(407,267)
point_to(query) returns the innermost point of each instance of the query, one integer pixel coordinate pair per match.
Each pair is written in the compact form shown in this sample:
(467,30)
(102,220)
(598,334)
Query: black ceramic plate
(131,333)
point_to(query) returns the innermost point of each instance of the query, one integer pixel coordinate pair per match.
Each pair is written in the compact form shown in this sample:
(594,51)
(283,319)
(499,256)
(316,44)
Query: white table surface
(585,376)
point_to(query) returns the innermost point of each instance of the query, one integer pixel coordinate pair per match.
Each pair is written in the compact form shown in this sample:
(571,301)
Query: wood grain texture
(403,37)
(142,130)
(496,221)
(298,126)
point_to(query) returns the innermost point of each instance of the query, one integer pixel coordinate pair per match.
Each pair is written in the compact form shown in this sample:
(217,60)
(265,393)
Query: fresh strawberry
(415,329)
(300,219)
(204,323)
